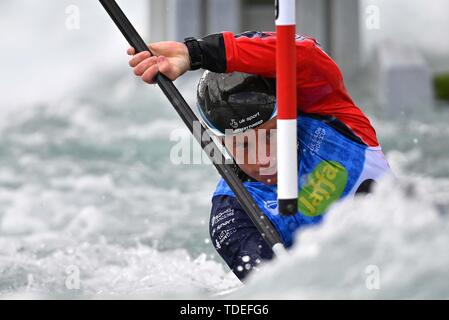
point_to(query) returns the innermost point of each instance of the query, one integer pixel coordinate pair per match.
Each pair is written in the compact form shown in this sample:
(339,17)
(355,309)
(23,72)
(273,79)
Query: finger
(140,69)
(131,51)
(150,74)
(138,58)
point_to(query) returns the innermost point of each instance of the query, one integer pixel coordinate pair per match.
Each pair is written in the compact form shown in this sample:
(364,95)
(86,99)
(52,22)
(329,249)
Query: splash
(388,245)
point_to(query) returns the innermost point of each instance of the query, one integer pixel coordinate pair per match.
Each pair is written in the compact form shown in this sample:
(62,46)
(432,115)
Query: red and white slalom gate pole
(287,108)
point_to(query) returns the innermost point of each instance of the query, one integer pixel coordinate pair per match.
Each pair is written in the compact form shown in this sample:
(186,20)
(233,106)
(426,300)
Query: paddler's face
(255,152)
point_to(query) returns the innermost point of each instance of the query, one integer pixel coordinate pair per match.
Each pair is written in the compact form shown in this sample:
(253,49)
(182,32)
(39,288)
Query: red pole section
(287,156)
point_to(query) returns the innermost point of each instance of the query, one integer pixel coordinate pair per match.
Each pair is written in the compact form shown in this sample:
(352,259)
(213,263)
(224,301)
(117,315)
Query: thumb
(157,48)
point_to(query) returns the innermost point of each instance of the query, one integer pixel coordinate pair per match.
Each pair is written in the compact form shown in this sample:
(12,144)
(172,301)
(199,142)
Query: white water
(86,184)
(400,233)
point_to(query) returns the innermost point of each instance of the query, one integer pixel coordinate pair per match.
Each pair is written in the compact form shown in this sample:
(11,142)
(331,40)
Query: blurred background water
(86,181)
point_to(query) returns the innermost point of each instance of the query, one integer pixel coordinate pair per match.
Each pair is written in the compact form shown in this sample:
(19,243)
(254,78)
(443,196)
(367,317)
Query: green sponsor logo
(324,186)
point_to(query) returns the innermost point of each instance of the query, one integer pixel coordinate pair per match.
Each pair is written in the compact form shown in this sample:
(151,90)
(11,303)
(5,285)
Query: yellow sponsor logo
(325,184)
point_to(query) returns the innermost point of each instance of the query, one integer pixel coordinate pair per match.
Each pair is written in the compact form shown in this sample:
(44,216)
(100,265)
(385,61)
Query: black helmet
(231,103)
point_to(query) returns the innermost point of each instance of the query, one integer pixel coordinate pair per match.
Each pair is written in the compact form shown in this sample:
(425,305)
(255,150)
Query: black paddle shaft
(225,169)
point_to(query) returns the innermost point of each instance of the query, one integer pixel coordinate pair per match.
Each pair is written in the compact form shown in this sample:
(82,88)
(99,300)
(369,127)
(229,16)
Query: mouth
(270,171)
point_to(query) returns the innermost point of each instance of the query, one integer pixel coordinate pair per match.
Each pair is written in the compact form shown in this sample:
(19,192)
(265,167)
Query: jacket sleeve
(249,52)
(236,238)
(319,80)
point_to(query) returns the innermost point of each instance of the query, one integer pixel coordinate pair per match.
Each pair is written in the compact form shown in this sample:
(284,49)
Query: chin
(270,180)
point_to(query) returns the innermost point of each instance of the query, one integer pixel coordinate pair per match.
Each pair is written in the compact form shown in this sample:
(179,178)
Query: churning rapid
(91,206)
